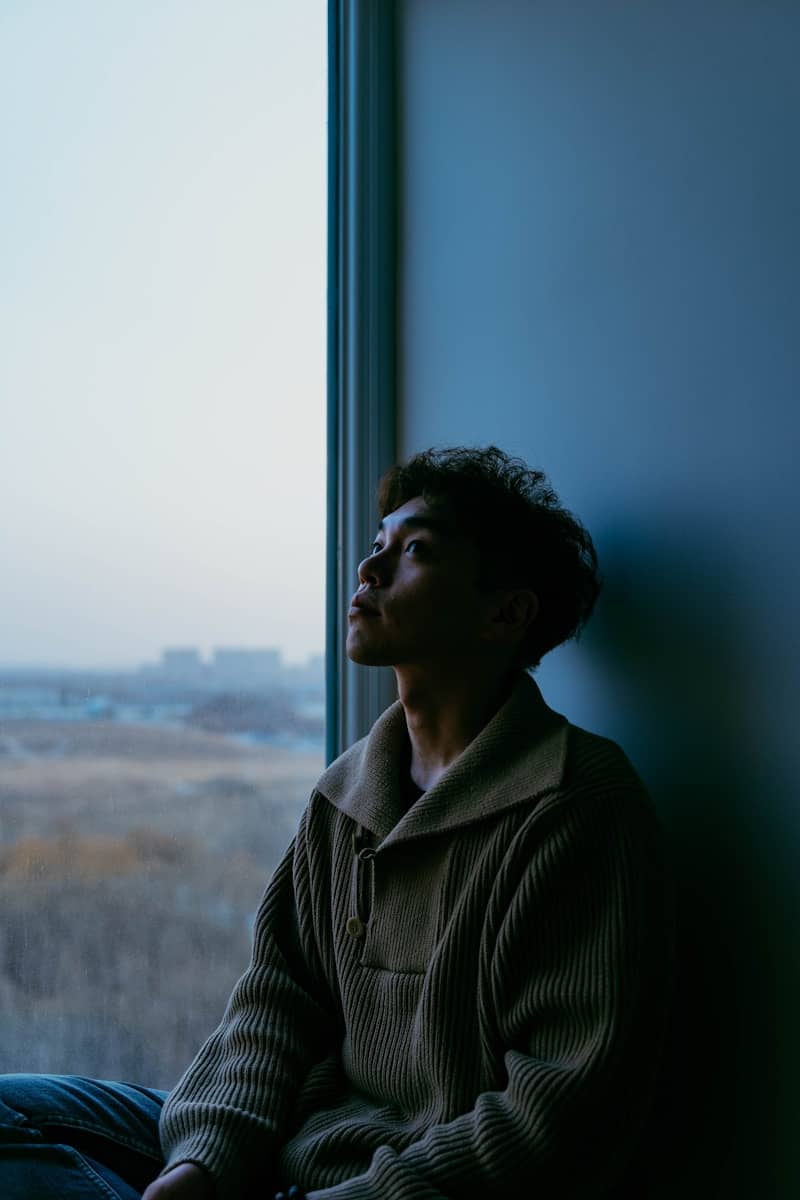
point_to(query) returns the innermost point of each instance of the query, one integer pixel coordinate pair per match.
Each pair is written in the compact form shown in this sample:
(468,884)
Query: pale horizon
(154,659)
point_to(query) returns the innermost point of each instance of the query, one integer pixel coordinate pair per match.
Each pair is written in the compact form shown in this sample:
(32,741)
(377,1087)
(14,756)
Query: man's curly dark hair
(524,536)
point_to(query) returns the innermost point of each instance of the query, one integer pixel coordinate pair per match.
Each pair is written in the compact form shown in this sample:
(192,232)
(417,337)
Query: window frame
(361,342)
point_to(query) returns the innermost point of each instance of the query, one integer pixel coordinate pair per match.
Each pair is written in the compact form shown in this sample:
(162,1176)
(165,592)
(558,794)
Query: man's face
(417,600)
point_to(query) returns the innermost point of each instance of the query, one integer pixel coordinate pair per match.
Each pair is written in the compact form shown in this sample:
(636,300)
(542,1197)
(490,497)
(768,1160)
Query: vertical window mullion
(361,334)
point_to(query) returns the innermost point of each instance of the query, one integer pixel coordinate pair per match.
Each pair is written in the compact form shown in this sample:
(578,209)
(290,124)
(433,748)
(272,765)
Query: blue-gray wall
(600,205)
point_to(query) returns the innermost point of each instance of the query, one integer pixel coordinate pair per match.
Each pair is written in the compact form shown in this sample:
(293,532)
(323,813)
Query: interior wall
(599,272)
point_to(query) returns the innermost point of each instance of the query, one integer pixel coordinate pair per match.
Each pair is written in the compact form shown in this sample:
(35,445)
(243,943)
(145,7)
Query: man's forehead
(419,514)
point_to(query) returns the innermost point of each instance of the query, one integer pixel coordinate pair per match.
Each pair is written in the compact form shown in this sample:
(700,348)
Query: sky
(162,308)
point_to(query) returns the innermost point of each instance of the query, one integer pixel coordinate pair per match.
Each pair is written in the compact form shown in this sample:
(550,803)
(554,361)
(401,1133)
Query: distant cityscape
(237,667)
(245,692)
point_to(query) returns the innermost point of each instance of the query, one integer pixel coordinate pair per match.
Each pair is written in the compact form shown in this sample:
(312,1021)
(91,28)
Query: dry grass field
(132,859)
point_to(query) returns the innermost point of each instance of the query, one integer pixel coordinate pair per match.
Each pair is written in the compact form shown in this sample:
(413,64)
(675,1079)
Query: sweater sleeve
(577,946)
(229,1111)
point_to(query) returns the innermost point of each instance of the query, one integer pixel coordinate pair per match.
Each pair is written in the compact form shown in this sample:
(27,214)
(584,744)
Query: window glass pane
(162,484)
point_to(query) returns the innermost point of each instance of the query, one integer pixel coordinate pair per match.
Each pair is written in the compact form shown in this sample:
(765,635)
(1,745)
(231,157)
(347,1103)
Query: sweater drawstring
(361,905)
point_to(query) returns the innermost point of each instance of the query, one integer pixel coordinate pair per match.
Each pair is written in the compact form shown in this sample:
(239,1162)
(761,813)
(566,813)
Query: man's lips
(359,607)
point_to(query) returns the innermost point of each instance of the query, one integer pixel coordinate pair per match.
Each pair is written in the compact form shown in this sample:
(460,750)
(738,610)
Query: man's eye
(375,547)
(415,543)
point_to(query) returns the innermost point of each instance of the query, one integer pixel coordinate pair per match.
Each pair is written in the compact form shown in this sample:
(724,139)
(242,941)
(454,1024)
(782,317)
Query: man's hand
(186,1182)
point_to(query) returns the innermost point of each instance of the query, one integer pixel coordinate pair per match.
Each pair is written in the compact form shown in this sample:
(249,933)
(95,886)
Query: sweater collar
(517,756)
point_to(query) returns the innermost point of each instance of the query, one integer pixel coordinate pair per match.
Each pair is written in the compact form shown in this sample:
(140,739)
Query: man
(458,980)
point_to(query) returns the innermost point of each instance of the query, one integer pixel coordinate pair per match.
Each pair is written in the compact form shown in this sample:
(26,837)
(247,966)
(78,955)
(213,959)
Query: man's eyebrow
(434,524)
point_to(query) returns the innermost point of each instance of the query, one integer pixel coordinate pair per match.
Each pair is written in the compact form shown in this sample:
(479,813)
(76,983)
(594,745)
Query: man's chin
(366,655)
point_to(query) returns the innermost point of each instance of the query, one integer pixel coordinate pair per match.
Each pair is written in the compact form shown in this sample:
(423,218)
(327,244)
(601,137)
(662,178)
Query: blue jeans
(63,1137)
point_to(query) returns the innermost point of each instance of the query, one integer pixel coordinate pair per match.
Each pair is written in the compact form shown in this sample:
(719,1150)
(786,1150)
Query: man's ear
(512,613)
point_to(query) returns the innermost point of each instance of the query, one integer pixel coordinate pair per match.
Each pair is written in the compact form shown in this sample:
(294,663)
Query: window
(162,479)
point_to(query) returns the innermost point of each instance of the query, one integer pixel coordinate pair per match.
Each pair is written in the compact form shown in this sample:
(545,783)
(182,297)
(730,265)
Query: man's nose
(373,569)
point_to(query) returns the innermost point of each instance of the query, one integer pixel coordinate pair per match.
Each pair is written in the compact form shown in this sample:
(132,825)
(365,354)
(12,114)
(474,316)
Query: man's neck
(444,712)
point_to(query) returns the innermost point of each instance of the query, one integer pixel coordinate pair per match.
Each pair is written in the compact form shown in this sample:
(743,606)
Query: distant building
(241,666)
(309,675)
(234,668)
(181,662)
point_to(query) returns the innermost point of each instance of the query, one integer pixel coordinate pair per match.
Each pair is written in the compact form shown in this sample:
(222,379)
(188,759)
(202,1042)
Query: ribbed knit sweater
(462,998)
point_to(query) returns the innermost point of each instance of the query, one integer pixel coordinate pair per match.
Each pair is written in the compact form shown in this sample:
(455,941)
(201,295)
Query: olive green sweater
(462,999)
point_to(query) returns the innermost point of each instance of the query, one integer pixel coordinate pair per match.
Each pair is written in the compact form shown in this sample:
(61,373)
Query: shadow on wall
(669,634)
